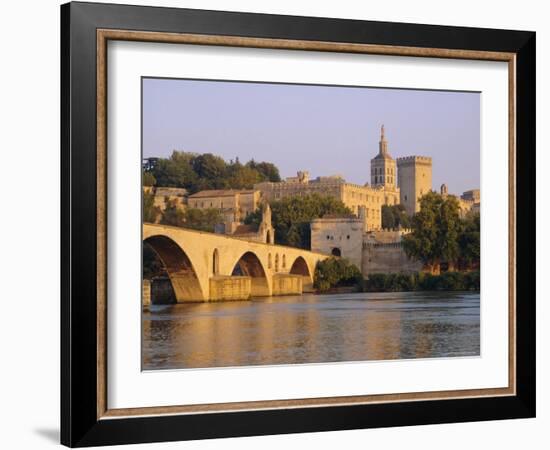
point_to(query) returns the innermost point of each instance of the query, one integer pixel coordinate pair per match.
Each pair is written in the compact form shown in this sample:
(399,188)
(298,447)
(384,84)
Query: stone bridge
(209,267)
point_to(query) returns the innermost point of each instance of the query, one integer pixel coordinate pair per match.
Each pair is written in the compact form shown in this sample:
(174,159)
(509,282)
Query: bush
(336,272)
(421,281)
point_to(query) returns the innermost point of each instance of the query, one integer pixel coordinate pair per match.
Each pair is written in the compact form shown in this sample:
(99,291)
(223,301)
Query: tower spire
(383,143)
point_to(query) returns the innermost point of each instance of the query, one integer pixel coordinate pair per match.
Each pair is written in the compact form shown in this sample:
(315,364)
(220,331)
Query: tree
(267,171)
(336,272)
(176,171)
(202,219)
(150,211)
(172,215)
(395,216)
(241,177)
(469,242)
(436,229)
(291,217)
(197,172)
(193,218)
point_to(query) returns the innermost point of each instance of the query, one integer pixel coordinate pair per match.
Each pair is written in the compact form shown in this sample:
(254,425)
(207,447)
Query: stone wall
(387,258)
(224,288)
(286,284)
(338,236)
(146,292)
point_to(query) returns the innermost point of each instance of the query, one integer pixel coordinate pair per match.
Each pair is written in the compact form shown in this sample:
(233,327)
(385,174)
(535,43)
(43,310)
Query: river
(311,329)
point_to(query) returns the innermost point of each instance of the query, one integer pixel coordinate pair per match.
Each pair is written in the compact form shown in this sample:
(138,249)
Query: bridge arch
(179,268)
(250,265)
(300,267)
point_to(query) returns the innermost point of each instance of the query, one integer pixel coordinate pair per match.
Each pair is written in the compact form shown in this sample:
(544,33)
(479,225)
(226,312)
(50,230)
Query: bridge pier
(224,288)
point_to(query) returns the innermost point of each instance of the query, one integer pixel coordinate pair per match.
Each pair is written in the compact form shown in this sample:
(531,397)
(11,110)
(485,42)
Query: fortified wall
(387,258)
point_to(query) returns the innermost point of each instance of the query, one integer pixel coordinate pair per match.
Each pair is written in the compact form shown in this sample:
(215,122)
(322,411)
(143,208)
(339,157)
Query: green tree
(241,177)
(211,172)
(196,172)
(336,272)
(291,217)
(202,219)
(469,242)
(395,216)
(267,171)
(172,215)
(193,218)
(150,211)
(436,228)
(176,171)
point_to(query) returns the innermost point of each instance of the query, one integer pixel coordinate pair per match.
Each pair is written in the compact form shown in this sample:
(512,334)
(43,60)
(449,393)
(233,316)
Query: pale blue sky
(323,129)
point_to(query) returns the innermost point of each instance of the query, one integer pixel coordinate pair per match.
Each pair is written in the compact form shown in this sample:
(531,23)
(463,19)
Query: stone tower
(266,230)
(415,180)
(382,166)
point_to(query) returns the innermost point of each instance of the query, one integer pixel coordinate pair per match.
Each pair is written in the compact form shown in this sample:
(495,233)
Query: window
(347,237)
(269,261)
(328,237)
(284,261)
(277,262)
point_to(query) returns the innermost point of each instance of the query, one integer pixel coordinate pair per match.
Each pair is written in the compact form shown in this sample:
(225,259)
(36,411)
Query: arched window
(216,262)
(276,262)
(284,261)
(269,263)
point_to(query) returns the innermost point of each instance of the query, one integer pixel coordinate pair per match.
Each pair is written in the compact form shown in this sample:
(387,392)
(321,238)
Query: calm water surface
(311,329)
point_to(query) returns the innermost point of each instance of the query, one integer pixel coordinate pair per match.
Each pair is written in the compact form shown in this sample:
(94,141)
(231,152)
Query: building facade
(163,196)
(414,175)
(234,204)
(371,251)
(469,201)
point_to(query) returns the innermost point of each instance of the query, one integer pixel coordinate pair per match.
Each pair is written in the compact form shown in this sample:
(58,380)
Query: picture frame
(86,418)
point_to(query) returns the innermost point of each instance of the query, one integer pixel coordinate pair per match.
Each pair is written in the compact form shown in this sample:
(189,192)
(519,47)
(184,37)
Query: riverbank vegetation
(421,281)
(335,273)
(441,237)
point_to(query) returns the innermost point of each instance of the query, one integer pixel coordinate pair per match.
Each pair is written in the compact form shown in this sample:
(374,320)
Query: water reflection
(311,329)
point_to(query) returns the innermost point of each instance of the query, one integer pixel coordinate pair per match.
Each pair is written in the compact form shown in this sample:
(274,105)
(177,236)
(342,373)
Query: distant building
(338,236)
(365,198)
(234,204)
(371,251)
(415,180)
(473,195)
(469,201)
(264,232)
(167,195)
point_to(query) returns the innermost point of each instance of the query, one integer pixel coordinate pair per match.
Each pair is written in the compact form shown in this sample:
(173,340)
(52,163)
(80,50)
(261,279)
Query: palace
(358,237)
(392,181)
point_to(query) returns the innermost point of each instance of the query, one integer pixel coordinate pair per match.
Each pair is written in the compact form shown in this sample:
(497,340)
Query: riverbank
(420,281)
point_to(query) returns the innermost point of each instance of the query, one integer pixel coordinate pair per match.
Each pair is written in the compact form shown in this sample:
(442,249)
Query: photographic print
(299,224)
